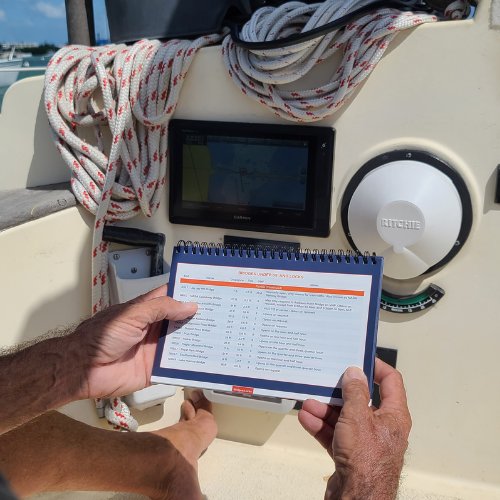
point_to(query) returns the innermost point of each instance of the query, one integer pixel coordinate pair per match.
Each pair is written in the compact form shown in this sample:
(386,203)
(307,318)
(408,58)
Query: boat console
(407,168)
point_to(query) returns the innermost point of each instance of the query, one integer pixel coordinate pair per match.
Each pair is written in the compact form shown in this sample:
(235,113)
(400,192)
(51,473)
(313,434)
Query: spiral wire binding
(275,251)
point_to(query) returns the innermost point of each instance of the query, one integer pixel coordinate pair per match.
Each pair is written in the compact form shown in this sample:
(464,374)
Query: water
(33,61)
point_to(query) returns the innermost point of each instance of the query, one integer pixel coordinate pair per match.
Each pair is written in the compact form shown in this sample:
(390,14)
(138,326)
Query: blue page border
(237,260)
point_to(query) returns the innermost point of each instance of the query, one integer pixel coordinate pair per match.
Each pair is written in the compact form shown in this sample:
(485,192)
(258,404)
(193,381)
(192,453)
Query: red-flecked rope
(117,413)
(261,74)
(138,87)
(127,95)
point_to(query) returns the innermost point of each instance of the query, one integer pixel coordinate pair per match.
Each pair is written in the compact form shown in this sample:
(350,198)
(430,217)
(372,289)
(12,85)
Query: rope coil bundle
(139,87)
(261,73)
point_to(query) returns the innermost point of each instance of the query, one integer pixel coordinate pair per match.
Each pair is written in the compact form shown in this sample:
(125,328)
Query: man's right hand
(366,443)
(117,346)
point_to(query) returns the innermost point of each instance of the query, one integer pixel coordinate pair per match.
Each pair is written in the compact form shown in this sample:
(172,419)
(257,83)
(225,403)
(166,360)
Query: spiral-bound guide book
(270,323)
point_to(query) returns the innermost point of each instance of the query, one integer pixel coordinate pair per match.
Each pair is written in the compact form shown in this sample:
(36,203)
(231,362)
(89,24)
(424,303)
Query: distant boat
(9,62)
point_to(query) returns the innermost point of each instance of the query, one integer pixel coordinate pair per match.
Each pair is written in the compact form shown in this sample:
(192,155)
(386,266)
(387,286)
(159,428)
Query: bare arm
(55,453)
(108,355)
(41,377)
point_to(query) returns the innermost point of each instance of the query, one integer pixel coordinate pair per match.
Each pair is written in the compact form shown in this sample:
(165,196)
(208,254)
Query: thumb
(162,308)
(355,391)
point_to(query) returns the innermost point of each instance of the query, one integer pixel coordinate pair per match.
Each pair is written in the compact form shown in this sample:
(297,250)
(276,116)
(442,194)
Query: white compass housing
(407,211)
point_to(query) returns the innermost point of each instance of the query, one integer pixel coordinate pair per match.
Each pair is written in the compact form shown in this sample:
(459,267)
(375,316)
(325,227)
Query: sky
(41,21)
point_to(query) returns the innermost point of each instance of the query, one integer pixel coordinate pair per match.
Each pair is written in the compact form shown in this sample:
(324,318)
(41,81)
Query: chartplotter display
(284,327)
(257,177)
(245,171)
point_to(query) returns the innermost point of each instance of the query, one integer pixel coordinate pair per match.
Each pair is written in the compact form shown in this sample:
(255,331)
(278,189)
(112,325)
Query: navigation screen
(251,176)
(259,172)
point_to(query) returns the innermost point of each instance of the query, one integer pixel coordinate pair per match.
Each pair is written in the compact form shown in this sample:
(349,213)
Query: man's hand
(118,345)
(110,354)
(366,444)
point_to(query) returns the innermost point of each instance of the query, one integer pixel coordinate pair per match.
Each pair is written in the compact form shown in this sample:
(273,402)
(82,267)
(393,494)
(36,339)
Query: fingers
(318,428)
(382,369)
(319,420)
(161,308)
(392,390)
(161,291)
(199,401)
(321,410)
(188,411)
(355,391)
(157,306)
(195,401)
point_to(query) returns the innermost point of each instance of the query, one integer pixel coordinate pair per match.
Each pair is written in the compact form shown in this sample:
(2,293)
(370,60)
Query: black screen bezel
(313,221)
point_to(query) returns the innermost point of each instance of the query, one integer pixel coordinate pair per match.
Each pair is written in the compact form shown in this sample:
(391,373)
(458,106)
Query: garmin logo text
(401,224)
(241,217)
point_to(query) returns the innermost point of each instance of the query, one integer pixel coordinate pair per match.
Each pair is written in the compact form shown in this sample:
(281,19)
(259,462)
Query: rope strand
(139,88)
(260,74)
(128,94)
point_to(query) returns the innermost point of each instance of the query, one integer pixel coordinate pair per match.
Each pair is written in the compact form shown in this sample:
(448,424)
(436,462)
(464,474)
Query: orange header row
(285,288)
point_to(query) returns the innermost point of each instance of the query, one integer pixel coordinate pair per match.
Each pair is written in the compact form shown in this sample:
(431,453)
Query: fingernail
(353,373)
(196,396)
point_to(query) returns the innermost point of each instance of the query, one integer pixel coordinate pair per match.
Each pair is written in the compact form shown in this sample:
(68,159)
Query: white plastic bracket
(258,403)
(128,278)
(129,274)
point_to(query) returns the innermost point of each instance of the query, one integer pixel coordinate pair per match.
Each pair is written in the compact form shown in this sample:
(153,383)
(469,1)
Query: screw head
(116,256)
(133,270)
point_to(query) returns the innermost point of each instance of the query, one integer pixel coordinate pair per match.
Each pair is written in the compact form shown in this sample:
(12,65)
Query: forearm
(56,453)
(41,377)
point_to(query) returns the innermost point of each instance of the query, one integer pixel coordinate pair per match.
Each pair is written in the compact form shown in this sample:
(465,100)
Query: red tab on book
(244,390)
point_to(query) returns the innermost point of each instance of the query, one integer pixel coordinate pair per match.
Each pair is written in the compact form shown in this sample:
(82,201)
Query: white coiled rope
(117,413)
(139,88)
(125,94)
(260,74)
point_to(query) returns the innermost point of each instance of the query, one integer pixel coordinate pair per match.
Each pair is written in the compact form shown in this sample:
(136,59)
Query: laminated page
(269,327)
